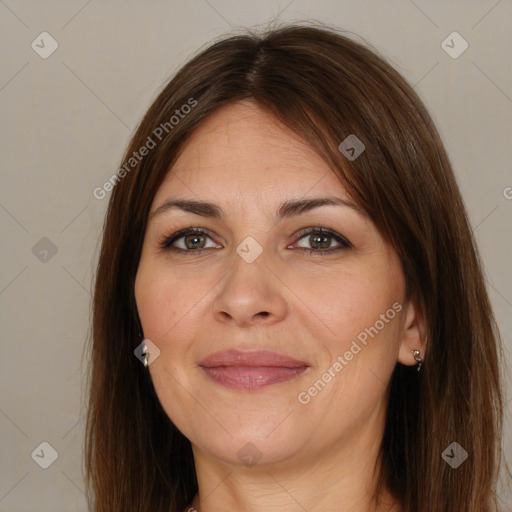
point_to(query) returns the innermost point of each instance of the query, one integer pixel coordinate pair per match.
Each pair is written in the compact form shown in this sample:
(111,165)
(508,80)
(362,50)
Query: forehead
(242,150)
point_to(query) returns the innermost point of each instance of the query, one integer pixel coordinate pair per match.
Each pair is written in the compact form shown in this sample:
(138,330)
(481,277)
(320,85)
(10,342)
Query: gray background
(66,120)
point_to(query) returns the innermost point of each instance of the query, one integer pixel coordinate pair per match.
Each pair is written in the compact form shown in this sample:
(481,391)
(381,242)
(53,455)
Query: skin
(309,306)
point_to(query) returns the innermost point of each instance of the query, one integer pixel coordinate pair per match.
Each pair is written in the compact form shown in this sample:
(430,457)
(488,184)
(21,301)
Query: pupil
(194,239)
(321,244)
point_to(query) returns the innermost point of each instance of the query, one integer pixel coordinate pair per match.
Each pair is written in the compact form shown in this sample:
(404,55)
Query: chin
(244,449)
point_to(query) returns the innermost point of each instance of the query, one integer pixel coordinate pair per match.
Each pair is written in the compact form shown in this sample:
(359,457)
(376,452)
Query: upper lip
(250,358)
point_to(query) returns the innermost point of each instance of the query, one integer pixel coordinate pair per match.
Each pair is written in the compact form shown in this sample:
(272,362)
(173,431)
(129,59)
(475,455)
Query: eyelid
(334,234)
(167,240)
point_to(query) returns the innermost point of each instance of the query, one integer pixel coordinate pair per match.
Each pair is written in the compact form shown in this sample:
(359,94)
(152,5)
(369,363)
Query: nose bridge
(248,269)
(250,291)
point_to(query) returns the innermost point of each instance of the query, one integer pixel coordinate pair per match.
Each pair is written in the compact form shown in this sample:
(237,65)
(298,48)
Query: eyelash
(166,242)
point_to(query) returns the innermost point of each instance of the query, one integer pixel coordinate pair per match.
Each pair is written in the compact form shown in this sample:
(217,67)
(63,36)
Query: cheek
(155,299)
(360,348)
(361,326)
(346,302)
(165,300)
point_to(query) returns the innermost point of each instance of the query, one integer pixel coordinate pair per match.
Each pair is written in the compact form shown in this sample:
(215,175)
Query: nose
(250,293)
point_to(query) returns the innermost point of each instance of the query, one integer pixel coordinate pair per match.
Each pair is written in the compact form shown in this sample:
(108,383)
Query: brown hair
(324,86)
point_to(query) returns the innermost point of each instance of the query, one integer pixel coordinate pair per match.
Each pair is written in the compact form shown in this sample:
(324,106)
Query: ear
(413,334)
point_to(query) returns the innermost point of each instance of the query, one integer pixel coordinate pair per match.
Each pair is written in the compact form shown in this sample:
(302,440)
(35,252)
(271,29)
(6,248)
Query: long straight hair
(325,86)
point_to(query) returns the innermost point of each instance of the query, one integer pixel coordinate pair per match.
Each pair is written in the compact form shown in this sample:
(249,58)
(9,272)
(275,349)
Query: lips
(250,358)
(251,369)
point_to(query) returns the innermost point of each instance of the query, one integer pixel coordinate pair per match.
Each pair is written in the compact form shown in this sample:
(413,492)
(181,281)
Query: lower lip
(245,377)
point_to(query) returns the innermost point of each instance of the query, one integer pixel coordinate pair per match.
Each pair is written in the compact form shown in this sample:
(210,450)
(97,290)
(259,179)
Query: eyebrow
(286,209)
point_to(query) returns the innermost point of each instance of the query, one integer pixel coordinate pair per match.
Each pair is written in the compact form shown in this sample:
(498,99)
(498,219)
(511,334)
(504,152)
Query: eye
(187,240)
(320,240)
(194,240)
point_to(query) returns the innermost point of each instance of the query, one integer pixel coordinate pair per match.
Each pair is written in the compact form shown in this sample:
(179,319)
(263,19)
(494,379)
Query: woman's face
(257,280)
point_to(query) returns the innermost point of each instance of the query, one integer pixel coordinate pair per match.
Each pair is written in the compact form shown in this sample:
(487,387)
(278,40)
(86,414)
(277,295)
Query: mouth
(251,370)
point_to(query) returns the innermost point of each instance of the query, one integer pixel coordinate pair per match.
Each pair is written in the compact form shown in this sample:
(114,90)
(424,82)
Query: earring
(144,350)
(416,354)
(145,354)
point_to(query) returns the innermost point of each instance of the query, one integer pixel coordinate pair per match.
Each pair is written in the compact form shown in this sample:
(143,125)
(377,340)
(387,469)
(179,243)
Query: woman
(287,253)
